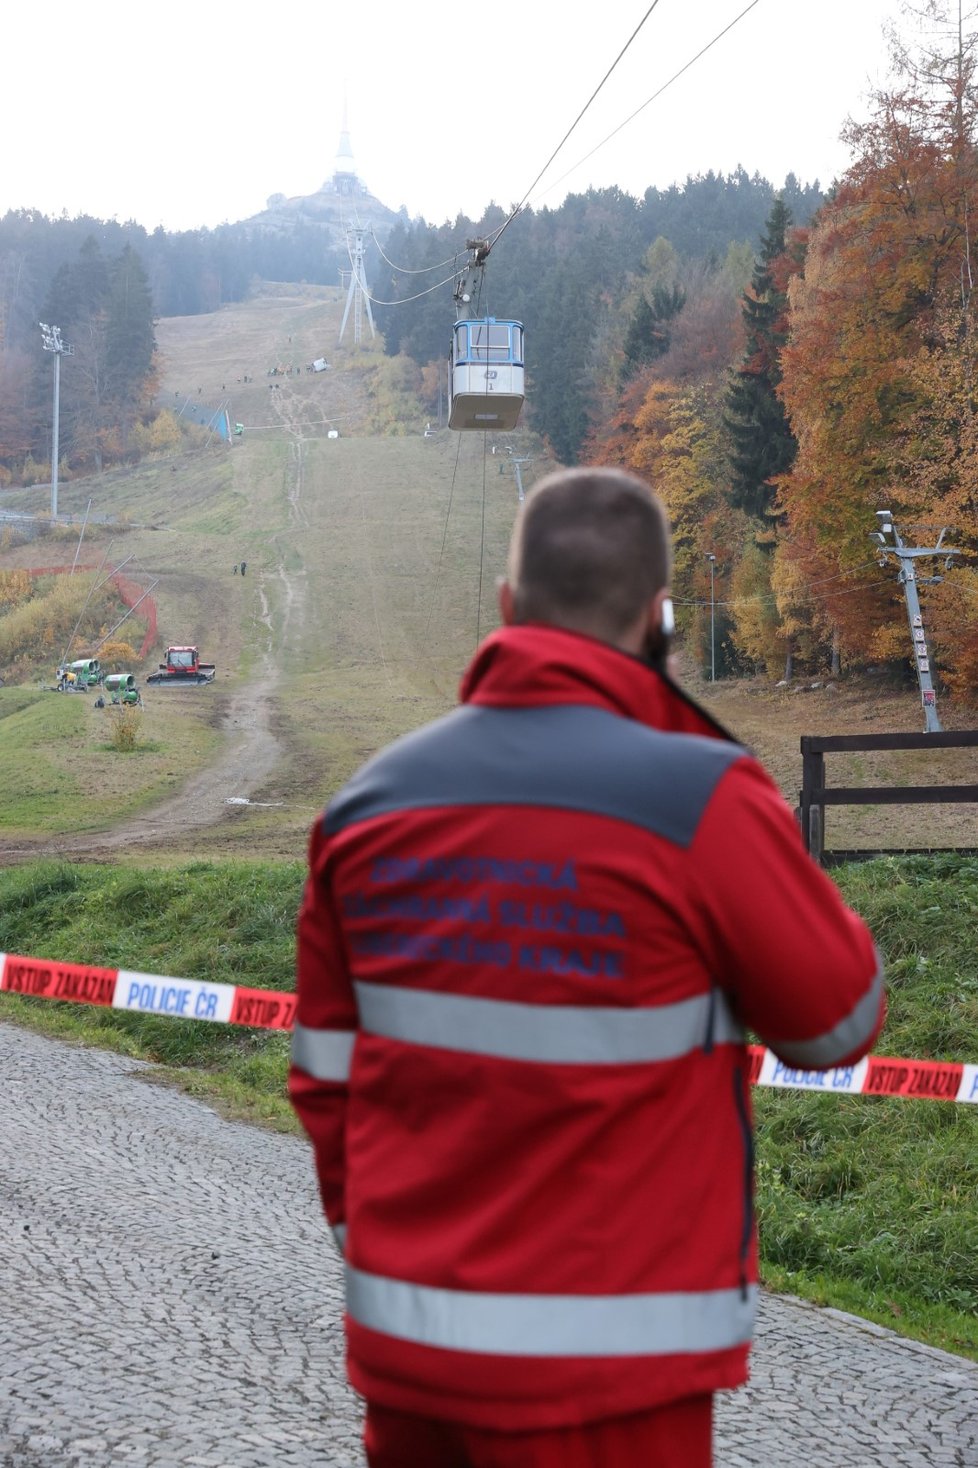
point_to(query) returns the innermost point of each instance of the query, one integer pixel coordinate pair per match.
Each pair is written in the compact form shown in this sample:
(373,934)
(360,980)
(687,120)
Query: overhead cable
(508,222)
(404,299)
(802,594)
(441,554)
(404,269)
(482,546)
(665,85)
(748,601)
(658,93)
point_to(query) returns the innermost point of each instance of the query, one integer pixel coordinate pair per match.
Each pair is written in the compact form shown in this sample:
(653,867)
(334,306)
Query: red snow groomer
(182,667)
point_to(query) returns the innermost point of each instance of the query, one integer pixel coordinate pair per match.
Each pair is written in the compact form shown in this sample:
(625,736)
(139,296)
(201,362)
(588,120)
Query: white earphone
(668,622)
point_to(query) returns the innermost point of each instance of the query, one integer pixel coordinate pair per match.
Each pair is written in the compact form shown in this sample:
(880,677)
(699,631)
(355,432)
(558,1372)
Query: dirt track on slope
(251,749)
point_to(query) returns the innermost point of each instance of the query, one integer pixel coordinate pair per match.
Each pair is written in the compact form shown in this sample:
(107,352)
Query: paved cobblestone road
(168,1296)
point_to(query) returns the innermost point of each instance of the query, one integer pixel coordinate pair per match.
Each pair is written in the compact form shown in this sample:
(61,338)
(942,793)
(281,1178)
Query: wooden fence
(816,795)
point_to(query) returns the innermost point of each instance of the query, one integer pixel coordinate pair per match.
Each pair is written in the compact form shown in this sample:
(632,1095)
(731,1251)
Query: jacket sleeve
(324,1035)
(799,966)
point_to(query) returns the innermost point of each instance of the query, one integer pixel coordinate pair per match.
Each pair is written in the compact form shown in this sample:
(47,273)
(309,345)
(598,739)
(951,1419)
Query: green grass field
(60,775)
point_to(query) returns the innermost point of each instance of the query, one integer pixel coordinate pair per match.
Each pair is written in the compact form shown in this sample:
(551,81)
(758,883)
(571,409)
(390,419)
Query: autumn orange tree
(877,374)
(667,425)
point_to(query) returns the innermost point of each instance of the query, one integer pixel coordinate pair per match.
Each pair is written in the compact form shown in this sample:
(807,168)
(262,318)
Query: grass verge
(871,1203)
(60,772)
(227,923)
(867,1204)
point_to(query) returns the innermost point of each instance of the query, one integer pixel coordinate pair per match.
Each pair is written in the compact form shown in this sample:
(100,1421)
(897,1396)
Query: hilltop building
(345,180)
(330,208)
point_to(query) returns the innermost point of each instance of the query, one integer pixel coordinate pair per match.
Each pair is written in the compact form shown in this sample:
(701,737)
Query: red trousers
(678,1435)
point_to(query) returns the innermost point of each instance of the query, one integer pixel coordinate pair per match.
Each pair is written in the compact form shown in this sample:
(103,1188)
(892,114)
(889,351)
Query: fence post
(812,809)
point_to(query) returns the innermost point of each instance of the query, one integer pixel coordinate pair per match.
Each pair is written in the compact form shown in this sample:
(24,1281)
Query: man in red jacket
(531,938)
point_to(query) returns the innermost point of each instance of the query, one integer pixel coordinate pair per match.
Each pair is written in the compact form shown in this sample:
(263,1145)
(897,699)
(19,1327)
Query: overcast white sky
(186,114)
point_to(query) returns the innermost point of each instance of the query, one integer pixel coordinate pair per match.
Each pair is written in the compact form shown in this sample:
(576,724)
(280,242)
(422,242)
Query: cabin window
(489,341)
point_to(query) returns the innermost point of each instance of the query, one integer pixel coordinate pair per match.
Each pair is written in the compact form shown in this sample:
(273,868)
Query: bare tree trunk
(789,661)
(836,665)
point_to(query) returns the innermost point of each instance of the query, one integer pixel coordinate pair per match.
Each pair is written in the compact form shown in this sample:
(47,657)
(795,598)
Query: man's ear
(507,610)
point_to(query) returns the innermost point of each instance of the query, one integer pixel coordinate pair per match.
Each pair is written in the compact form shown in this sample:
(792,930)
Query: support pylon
(908,578)
(357,295)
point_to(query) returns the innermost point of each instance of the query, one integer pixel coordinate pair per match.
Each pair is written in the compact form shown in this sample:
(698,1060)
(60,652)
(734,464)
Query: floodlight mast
(908,579)
(51,341)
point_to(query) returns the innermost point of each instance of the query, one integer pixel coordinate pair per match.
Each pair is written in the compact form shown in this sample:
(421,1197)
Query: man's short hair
(589,551)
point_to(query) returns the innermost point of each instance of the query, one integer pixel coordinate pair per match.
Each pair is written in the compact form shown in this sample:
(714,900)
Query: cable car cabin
(487,374)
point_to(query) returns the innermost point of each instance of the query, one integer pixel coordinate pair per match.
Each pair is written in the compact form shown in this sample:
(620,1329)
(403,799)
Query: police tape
(229,1004)
(269,1009)
(877,1075)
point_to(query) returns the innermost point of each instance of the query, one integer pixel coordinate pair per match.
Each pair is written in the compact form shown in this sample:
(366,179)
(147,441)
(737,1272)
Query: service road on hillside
(169,1297)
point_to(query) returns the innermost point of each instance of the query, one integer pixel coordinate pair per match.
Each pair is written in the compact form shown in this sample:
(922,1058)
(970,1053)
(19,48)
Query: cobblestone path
(168,1296)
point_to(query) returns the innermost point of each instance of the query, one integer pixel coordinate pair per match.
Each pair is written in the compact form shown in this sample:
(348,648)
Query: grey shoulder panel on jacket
(569,757)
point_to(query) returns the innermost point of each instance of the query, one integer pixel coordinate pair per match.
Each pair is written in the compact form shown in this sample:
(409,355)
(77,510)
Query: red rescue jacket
(531,937)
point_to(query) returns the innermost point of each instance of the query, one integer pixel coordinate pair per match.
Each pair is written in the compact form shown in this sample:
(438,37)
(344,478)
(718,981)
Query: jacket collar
(532,665)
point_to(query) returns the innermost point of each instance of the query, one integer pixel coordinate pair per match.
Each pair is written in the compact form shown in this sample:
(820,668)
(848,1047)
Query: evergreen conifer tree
(130,340)
(90,279)
(763,443)
(649,336)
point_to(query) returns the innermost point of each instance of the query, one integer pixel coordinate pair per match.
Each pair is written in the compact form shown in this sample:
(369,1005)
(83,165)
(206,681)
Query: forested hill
(584,249)
(565,271)
(199,270)
(188,271)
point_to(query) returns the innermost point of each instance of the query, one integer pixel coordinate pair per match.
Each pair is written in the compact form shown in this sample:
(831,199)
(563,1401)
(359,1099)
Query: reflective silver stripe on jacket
(324,1054)
(849,1034)
(560,1034)
(552,1325)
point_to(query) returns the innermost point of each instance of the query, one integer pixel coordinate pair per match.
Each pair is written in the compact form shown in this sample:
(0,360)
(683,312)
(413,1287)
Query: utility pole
(713,639)
(51,341)
(909,580)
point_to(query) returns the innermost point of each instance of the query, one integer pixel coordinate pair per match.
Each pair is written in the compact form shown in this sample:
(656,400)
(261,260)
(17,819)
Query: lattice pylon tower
(357,294)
